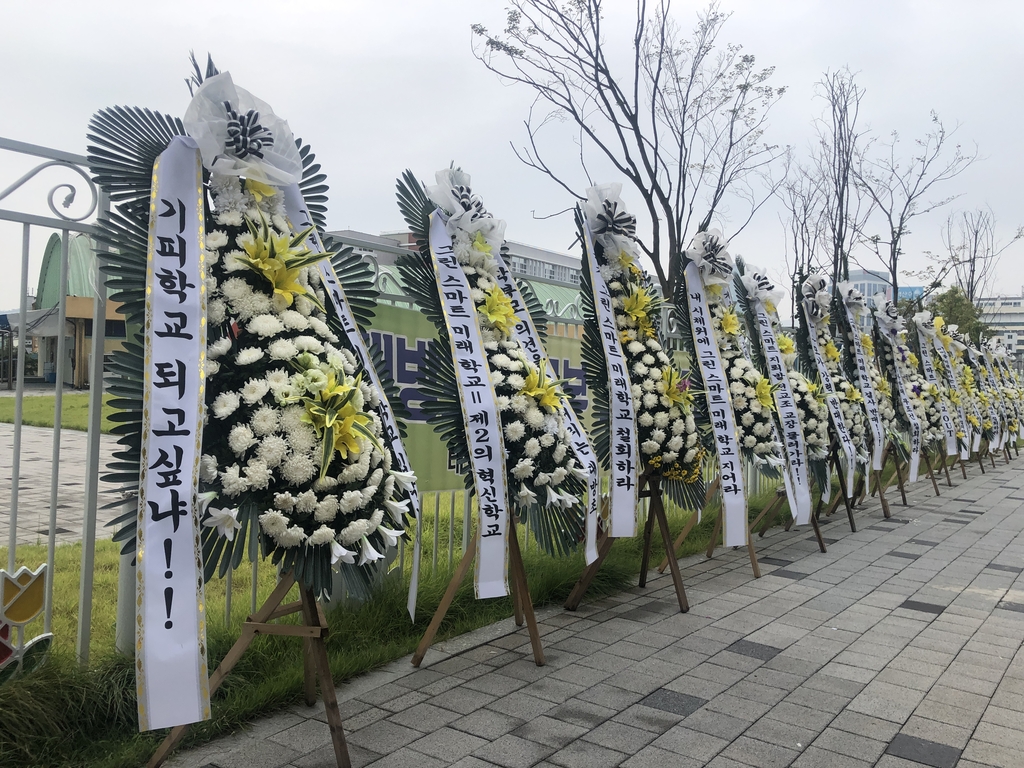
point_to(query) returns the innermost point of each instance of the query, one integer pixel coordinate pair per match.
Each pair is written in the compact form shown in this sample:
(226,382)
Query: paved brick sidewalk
(34,484)
(899,647)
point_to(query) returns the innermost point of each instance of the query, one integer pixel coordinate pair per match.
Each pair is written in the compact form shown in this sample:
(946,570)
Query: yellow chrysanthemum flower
(786,345)
(498,310)
(831,351)
(854,396)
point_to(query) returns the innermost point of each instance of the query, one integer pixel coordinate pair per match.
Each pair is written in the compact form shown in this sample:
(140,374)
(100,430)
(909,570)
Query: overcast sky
(377,87)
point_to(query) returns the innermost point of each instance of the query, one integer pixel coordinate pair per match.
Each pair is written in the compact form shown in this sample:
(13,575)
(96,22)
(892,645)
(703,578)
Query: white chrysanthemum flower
(650,400)
(523,469)
(220,347)
(258,474)
(747,419)
(645,419)
(240,439)
(515,380)
(675,443)
(749,441)
(207,468)
(265,326)
(272,450)
(293,320)
(273,522)
(282,349)
(308,344)
(298,468)
(225,404)
(519,403)
(322,535)
(650,447)
(291,538)
(284,501)
(532,447)
(254,390)
(232,482)
(302,439)
(535,417)
(514,431)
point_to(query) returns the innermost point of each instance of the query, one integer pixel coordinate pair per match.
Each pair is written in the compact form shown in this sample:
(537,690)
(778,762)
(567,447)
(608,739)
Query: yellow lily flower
(912,360)
(346,440)
(259,190)
(770,306)
(763,391)
(677,389)
(497,308)
(625,260)
(854,396)
(730,323)
(480,244)
(867,344)
(884,388)
(831,351)
(541,388)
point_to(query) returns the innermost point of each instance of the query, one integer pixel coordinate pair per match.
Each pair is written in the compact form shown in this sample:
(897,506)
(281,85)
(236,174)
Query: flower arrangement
(752,393)
(855,302)
(815,343)
(293,457)
(895,355)
(663,395)
(544,479)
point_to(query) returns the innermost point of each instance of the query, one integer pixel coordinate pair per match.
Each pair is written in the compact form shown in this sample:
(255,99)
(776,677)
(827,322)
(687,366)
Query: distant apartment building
(1005,314)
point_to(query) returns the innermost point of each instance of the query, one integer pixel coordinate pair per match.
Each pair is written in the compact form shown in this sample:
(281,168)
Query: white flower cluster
(542,466)
(850,399)
(923,397)
(666,428)
(276,374)
(752,394)
(813,415)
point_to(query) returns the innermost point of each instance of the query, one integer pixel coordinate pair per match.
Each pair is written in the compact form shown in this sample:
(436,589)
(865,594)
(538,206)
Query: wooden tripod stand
(521,602)
(657,511)
(313,630)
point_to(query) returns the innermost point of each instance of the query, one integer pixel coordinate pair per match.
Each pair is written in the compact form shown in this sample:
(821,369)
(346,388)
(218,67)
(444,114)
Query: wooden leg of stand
(981,463)
(931,472)
(1006,452)
(992,457)
(945,468)
(446,602)
(645,559)
(881,493)
(658,508)
(753,556)
(817,533)
(313,616)
(766,514)
(576,595)
(689,525)
(227,663)
(770,519)
(899,478)
(517,603)
(714,534)
(878,476)
(679,540)
(519,575)
(963,468)
(308,672)
(843,490)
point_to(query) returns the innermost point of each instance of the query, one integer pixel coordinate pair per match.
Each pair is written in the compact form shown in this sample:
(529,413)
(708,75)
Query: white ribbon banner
(798,484)
(908,409)
(867,389)
(835,409)
(170,661)
(479,413)
(298,213)
(723,421)
(529,340)
(948,427)
(996,397)
(983,385)
(623,451)
(954,383)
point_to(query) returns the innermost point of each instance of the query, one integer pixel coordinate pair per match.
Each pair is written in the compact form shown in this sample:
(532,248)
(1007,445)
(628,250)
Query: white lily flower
(391,538)
(398,510)
(568,500)
(368,554)
(225,521)
(404,480)
(341,555)
(526,497)
(554,498)
(205,499)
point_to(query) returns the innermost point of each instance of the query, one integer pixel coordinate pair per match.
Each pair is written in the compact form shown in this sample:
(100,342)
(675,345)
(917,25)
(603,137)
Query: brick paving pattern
(900,647)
